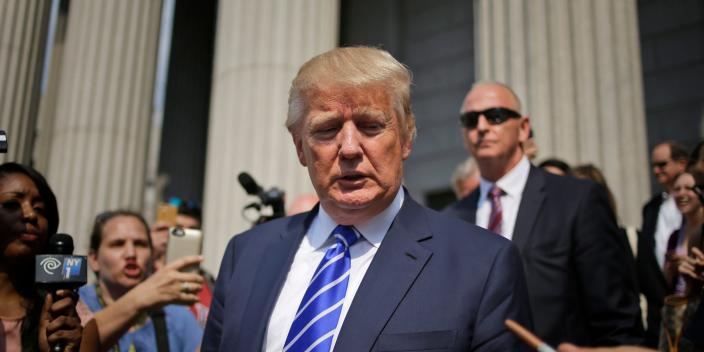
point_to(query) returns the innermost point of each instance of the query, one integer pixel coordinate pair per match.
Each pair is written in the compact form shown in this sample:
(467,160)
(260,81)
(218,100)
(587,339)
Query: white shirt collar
(512,183)
(373,230)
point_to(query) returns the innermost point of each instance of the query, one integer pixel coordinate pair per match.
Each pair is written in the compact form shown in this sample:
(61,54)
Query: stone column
(23,32)
(576,66)
(100,128)
(259,47)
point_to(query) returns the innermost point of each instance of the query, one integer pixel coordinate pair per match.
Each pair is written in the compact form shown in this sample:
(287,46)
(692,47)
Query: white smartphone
(183,242)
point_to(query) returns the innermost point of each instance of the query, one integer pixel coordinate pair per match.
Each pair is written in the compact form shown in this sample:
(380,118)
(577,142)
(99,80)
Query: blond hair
(354,67)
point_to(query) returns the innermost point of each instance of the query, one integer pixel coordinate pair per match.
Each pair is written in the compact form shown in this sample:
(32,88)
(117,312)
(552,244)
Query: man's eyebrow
(369,111)
(324,116)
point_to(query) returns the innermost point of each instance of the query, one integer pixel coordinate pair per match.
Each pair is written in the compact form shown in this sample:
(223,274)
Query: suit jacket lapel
(271,273)
(395,266)
(531,202)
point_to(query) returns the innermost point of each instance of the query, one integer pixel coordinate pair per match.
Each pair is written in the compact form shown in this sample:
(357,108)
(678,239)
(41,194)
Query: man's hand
(59,322)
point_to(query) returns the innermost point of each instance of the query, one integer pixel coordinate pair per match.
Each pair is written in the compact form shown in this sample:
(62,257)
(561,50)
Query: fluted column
(259,47)
(576,65)
(23,32)
(100,129)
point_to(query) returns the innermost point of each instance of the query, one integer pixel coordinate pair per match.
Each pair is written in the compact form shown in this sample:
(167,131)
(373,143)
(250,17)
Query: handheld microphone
(60,269)
(249,184)
(273,197)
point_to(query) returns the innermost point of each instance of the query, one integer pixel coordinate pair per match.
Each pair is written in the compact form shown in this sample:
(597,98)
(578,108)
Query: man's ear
(524,133)
(406,147)
(682,163)
(93,261)
(298,142)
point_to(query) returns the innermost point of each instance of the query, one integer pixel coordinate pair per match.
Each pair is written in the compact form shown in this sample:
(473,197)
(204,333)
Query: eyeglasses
(660,164)
(494,116)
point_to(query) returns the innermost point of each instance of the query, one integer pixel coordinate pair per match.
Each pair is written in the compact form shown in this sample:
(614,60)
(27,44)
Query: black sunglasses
(660,164)
(494,116)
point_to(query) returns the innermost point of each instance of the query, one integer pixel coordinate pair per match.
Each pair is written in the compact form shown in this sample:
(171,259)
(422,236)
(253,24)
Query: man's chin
(353,200)
(352,204)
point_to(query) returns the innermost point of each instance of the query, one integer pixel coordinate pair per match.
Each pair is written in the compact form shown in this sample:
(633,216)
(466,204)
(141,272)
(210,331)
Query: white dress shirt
(512,185)
(669,220)
(310,252)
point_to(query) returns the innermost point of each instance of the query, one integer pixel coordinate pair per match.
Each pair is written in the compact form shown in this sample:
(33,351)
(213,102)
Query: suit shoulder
(459,204)
(570,188)
(454,229)
(462,207)
(653,203)
(567,182)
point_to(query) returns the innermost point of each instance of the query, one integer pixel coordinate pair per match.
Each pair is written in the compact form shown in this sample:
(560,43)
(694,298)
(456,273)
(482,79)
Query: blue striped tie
(314,326)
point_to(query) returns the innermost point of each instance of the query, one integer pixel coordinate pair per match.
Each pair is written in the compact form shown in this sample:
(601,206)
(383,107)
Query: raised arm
(166,286)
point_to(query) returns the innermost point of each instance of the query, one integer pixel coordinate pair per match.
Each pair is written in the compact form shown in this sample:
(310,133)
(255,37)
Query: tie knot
(345,235)
(495,192)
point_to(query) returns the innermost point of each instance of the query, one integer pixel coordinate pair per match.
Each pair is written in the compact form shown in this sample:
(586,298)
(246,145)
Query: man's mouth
(352,178)
(483,143)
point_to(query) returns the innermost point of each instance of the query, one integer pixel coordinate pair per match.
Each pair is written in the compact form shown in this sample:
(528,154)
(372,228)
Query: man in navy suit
(368,269)
(660,218)
(579,283)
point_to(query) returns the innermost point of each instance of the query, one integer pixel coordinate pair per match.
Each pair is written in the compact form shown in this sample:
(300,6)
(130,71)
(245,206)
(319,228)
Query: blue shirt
(183,331)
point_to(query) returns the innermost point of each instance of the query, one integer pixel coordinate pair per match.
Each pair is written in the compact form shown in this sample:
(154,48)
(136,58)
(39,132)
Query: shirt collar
(373,230)
(512,183)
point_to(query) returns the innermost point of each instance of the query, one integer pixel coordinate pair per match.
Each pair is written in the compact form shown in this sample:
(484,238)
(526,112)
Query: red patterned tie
(496,211)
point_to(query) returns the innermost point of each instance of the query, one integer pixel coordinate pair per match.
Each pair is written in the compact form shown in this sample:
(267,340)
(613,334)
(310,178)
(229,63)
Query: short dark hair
(96,235)
(190,208)
(51,209)
(696,154)
(557,163)
(677,150)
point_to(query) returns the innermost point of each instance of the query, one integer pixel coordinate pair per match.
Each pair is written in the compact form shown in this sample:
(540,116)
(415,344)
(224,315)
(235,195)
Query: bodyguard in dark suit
(368,269)
(660,219)
(578,278)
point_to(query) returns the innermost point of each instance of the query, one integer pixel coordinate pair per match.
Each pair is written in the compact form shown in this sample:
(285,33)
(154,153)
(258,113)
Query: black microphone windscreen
(61,243)
(248,183)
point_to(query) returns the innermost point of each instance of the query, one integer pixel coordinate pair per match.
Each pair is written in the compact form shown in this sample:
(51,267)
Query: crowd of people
(368,268)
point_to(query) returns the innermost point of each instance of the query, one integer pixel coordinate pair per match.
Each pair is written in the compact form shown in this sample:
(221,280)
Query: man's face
(494,142)
(121,260)
(351,142)
(664,168)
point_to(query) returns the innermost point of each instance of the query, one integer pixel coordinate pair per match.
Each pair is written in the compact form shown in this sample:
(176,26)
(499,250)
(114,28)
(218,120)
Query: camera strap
(162,340)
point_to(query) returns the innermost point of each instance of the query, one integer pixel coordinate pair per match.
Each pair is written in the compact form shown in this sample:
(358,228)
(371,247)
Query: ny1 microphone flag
(68,271)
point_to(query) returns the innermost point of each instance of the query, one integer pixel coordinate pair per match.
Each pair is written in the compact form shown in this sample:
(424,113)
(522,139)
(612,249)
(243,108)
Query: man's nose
(350,147)
(482,123)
